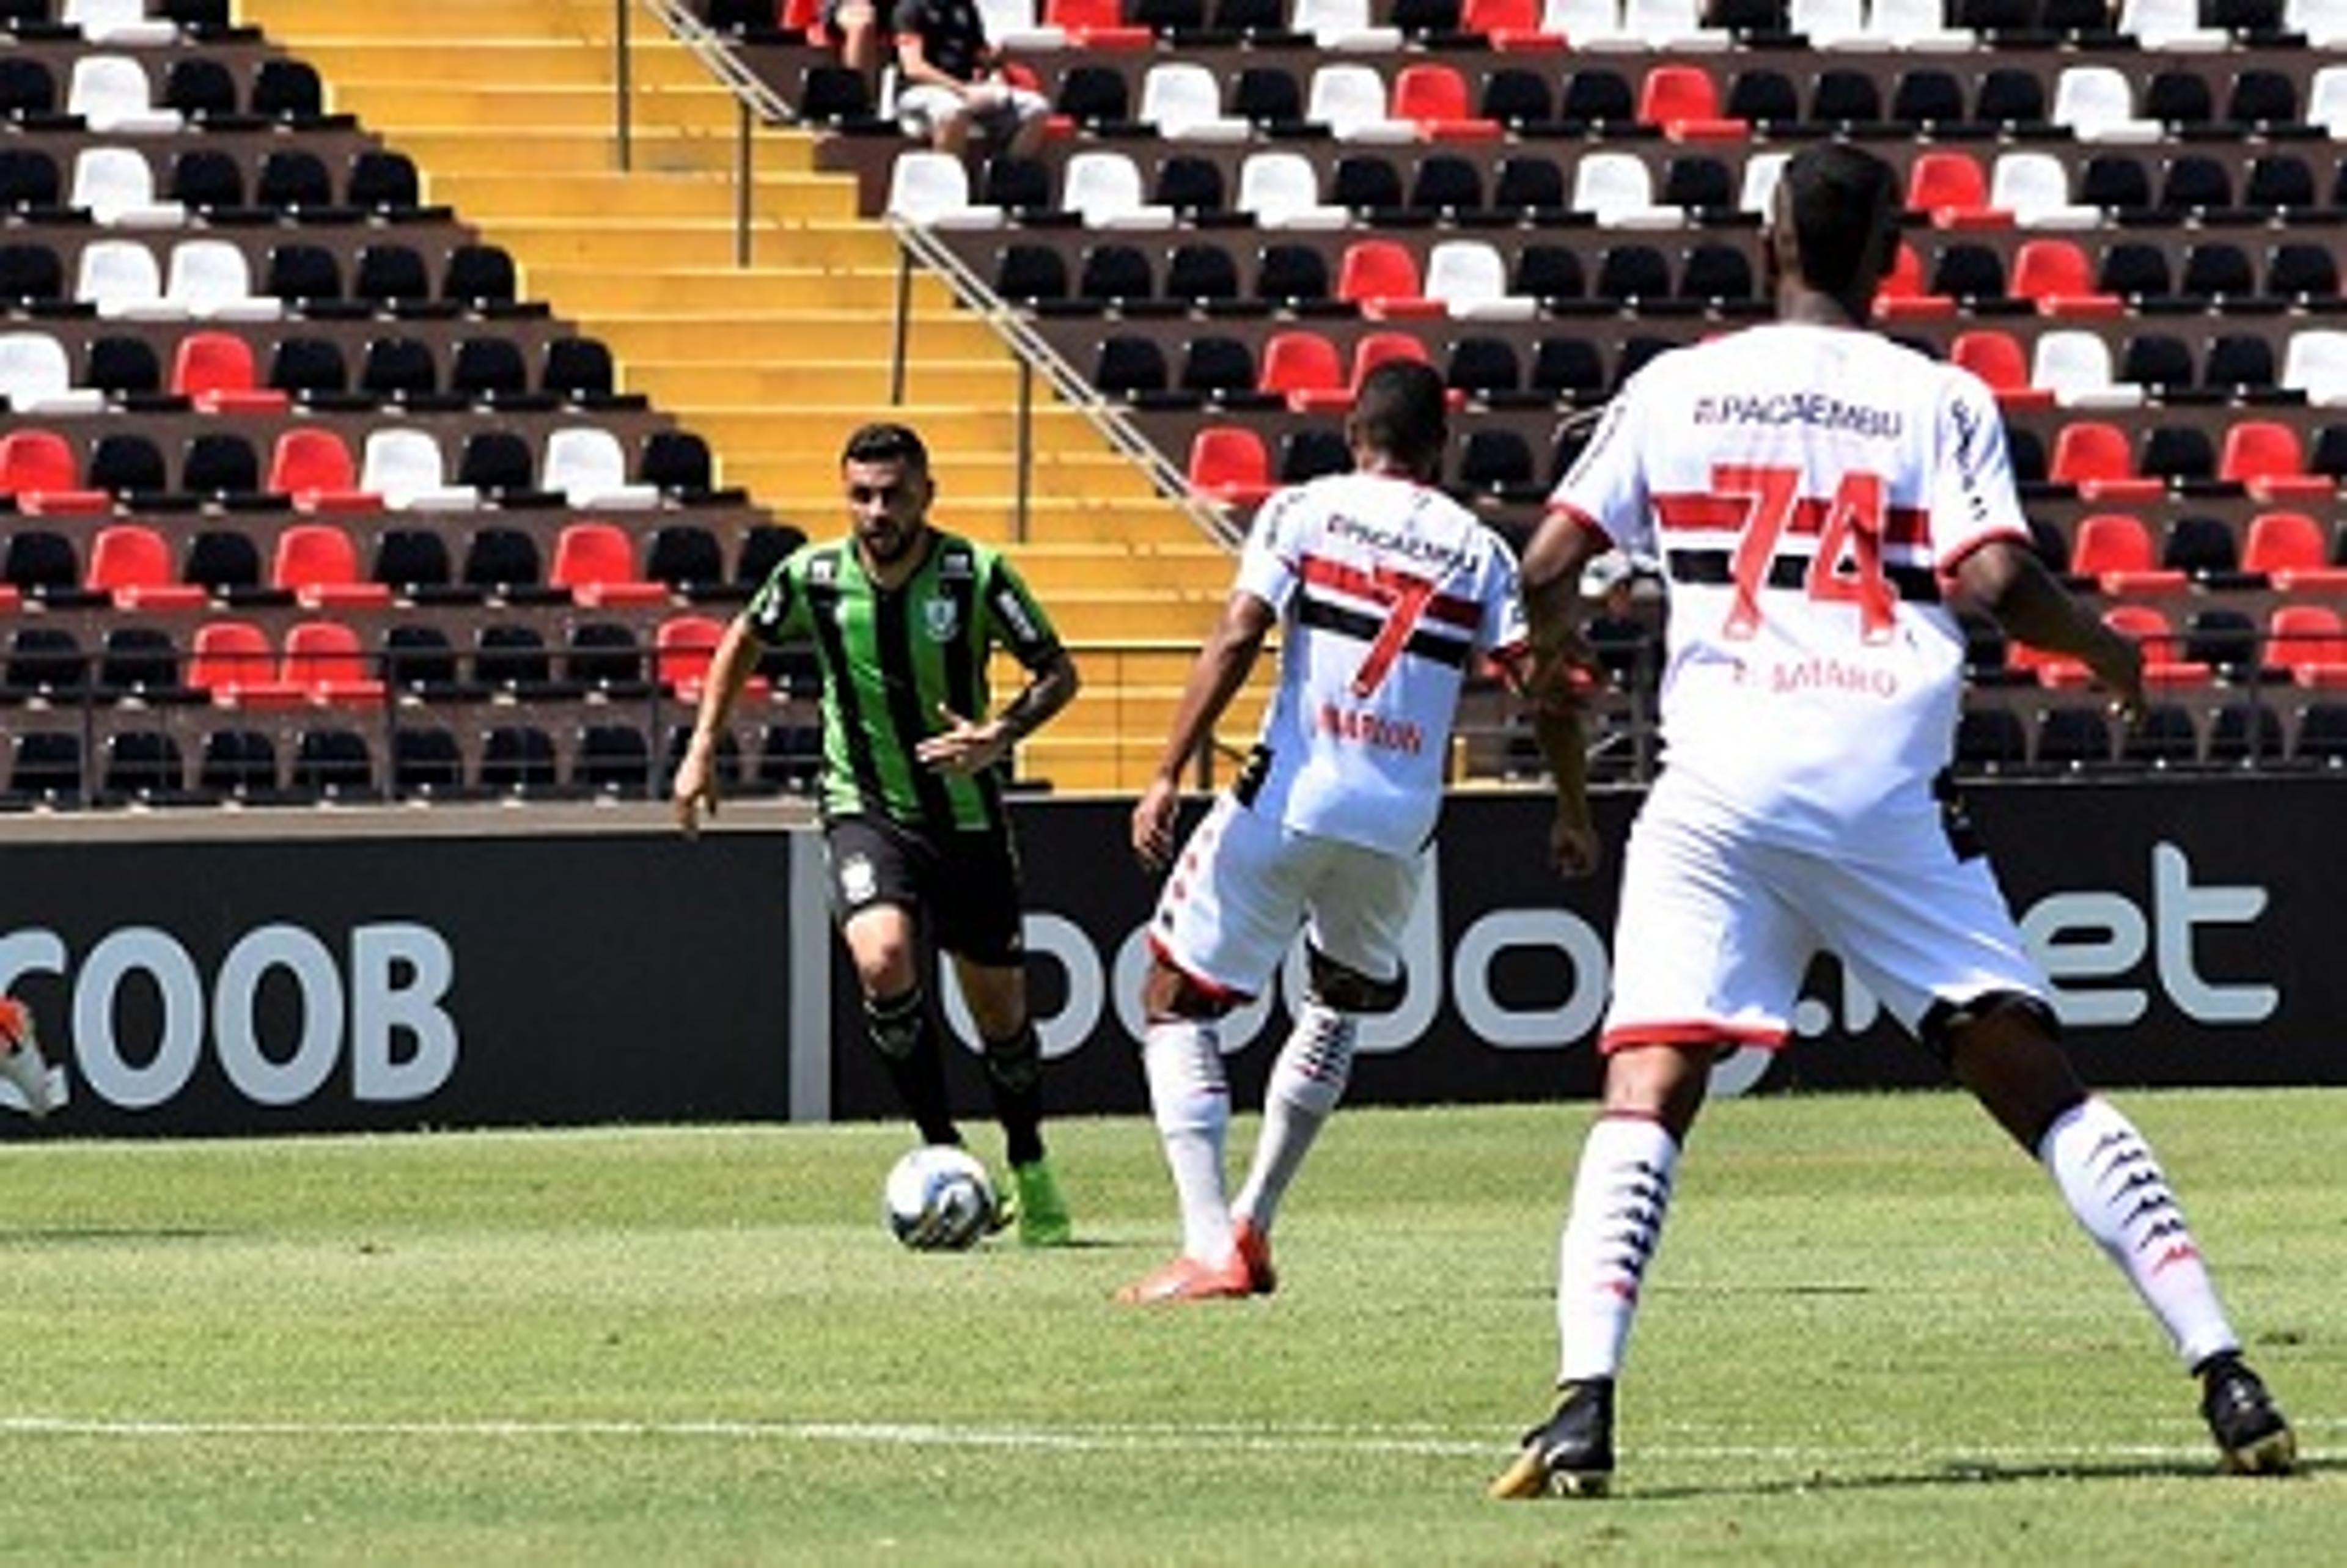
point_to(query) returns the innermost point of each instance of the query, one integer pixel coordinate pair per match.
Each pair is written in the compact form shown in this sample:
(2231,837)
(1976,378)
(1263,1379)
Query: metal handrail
(1033,350)
(759,99)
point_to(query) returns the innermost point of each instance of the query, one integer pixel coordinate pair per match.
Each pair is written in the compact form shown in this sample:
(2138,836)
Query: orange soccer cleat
(1254,1251)
(1187,1279)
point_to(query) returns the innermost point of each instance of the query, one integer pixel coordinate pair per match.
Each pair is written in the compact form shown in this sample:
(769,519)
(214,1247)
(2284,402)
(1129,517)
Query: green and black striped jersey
(890,658)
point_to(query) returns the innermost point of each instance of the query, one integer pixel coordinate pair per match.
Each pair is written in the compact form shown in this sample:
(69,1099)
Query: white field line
(1418,1441)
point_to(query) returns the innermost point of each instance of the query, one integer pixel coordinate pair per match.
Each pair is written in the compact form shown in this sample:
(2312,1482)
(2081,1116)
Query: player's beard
(886,545)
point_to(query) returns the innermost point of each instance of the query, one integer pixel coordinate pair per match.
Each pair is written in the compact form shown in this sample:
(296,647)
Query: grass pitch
(1873,1335)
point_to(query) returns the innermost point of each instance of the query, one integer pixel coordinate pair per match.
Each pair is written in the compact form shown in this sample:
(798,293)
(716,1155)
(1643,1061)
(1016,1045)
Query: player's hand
(696,787)
(962,747)
(1574,847)
(1153,825)
(2119,666)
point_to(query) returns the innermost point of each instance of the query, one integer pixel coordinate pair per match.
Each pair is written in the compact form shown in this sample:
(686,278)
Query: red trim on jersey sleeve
(1567,509)
(2001,536)
(1511,663)
(1214,989)
(1690,1032)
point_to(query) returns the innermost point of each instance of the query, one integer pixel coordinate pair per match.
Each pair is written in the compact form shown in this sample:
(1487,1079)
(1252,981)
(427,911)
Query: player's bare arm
(1552,679)
(970,746)
(1220,669)
(2008,581)
(729,670)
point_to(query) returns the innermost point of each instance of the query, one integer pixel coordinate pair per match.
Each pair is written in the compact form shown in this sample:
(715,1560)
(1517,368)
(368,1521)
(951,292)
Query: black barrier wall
(399,982)
(434,979)
(2191,930)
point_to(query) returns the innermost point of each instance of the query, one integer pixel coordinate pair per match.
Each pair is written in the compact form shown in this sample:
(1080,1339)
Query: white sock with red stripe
(1192,1099)
(1307,1080)
(2113,1183)
(1620,1196)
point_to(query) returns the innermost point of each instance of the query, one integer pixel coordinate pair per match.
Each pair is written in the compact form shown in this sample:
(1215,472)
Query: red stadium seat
(1434,99)
(326,662)
(215,371)
(1299,365)
(1229,463)
(2115,550)
(2310,641)
(685,644)
(2163,665)
(132,563)
(2055,276)
(1997,359)
(233,660)
(596,561)
(1096,25)
(36,466)
(1684,102)
(1381,277)
(1509,25)
(1904,296)
(2094,455)
(1951,188)
(320,565)
(315,469)
(2266,457)
(2289,550)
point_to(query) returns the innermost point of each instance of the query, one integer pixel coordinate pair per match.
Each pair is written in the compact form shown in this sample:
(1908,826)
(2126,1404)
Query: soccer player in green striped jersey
(903,616)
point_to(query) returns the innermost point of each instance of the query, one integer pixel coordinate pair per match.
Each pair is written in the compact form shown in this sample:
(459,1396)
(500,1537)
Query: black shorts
(963,888)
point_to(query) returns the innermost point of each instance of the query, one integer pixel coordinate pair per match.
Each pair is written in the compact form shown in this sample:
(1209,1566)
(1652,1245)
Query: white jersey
(1806,489)
(1388,592)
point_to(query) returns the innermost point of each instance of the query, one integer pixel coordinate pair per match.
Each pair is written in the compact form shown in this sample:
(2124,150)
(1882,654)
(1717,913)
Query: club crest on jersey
(858,881)
(942,616)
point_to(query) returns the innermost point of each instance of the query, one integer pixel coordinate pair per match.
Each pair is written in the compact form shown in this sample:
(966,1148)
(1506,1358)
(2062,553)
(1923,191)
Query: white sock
(1192,1099)
(1620,1197)
(1307,1080)
(2113,1183)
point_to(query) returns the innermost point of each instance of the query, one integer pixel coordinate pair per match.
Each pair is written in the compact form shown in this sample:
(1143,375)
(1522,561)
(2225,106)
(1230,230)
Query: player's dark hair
(1400,412)
(885,442)
(1838,198)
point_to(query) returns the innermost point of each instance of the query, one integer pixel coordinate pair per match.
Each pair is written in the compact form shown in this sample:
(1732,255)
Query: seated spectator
(950,79)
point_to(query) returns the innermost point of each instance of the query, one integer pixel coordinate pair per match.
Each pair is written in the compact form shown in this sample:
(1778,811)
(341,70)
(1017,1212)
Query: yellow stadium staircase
(509,107)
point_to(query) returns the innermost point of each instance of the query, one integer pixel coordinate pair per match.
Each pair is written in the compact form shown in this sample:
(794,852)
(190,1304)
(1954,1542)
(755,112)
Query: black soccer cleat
(1572,1453)
(2250,1430)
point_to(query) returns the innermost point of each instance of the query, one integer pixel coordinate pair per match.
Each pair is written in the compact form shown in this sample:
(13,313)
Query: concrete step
(656,149)
(450,19)
(866,385)
(647,288)
(529,192)
(785,336)
(687,243)
(656,63)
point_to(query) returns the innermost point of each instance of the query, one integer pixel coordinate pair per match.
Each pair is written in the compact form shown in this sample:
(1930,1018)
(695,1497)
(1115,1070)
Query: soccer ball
(938,1198)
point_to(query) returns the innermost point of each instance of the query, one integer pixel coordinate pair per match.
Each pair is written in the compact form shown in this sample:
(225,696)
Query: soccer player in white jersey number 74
(1813,489)
(1387,593)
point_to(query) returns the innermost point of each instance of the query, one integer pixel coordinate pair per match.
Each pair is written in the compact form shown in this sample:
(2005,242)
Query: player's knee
(1347,989)
(1168,994)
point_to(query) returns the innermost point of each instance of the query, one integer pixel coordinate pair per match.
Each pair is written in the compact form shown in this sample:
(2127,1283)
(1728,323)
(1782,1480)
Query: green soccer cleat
(1042,1209)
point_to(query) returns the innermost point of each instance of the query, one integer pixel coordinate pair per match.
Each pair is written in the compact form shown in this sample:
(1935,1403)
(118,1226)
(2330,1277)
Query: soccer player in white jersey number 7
(1812,490)
(1387,594)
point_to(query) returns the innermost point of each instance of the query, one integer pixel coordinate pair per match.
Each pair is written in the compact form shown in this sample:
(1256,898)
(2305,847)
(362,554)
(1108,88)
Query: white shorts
(923,107)
(1244,884)
(1716,931)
